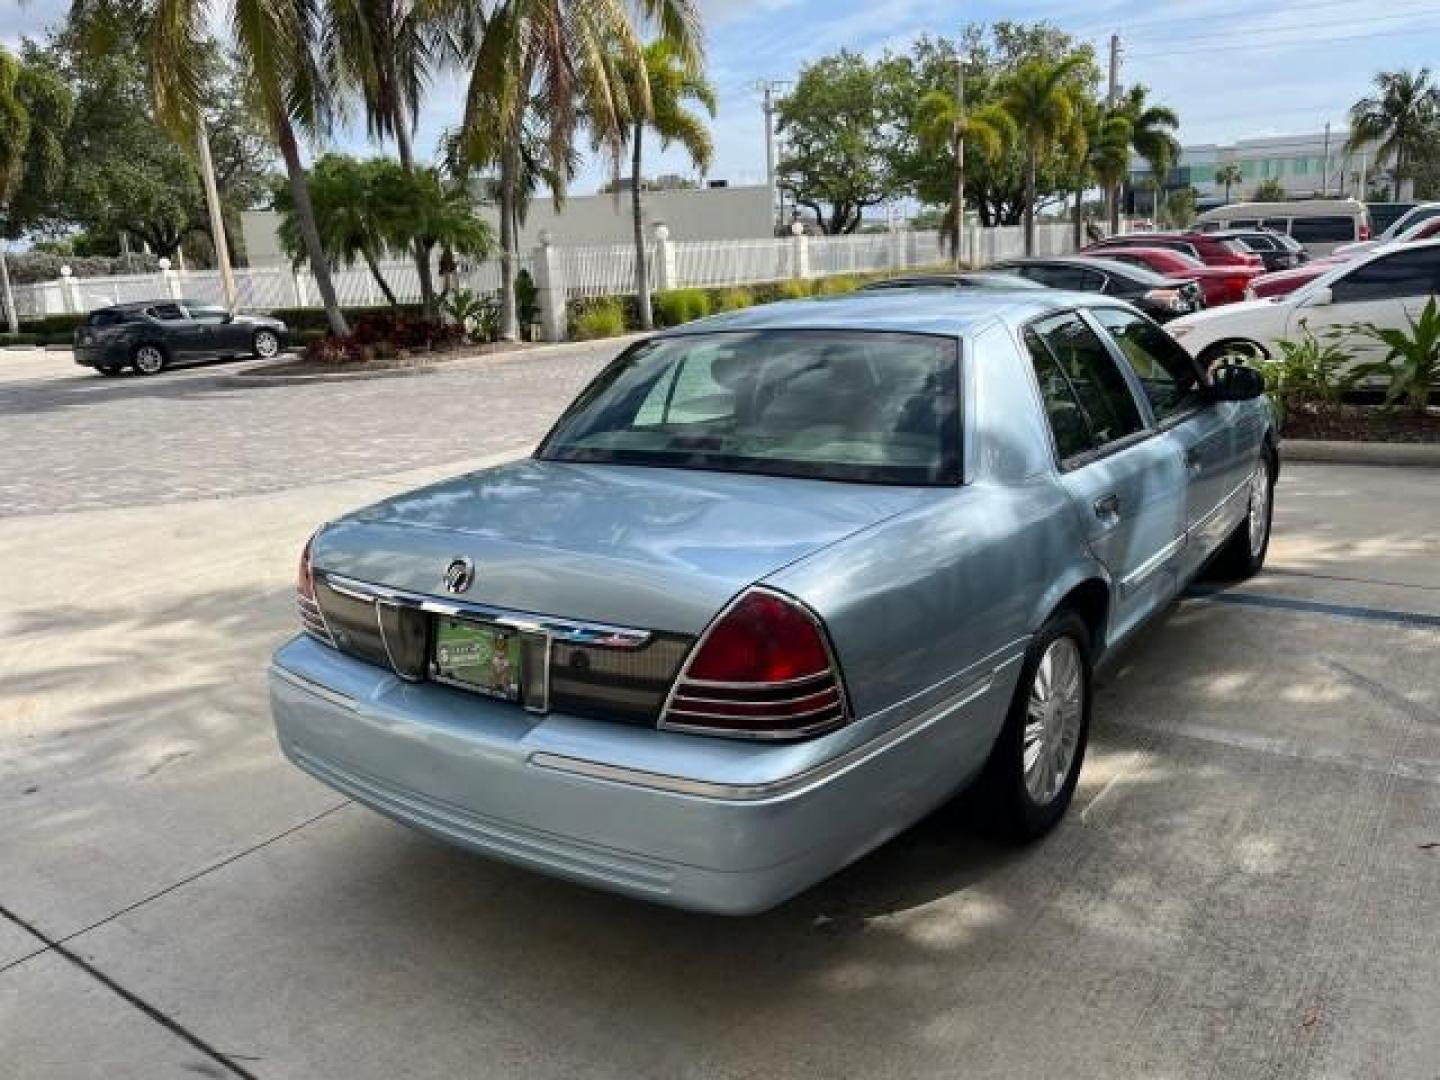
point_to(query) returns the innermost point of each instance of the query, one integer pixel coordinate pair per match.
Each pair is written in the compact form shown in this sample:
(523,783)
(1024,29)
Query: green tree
(342,193)
(418,210)
(672,85)
(1041,99)
(1180,208)
(1103,156)
(1404,109)
(1270,190)
(1152,136)
(942,122)
(36,109)
(284,51)
(841,127)
(1229,175)
(558,59)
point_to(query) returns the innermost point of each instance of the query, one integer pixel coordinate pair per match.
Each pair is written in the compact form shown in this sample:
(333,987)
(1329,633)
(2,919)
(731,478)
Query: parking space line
(131,998)
(1314,607)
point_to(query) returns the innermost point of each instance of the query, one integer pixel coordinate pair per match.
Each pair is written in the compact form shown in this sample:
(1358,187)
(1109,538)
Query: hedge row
(607,316)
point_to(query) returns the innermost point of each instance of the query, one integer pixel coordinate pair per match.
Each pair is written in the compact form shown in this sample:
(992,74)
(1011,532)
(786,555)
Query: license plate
(478,657)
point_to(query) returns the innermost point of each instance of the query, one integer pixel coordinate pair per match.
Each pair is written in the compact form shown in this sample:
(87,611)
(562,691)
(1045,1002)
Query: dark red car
(1222,284)
(1283,282)
(1209,249)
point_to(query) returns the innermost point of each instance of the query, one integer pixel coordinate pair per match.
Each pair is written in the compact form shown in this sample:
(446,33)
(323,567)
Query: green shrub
(676,306)
(1306,374)
(732,299)
(20,339)
(1412,360)
(794,289)
(599,320)
(837,283)
(56,326)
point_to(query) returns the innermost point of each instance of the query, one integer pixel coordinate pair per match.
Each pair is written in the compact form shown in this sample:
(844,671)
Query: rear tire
(149,359)
(1035,764)
(1246,352)
(1243,554)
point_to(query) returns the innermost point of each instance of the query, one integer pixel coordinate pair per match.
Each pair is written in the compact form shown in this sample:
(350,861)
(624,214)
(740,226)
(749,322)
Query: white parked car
(1412,225)
(1385,287)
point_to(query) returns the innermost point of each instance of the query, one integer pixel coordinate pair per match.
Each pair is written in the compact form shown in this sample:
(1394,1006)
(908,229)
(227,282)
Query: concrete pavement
(1247,883)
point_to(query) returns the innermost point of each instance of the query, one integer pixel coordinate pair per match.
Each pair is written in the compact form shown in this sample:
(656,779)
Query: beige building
(717,213)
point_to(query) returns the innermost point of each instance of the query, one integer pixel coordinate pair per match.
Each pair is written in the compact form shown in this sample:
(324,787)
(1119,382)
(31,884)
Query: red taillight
(311,617)
(1364,232)
(763,670)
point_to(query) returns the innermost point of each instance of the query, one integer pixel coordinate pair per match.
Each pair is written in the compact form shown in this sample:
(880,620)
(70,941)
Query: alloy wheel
(1259,518)
(149,360)
(266,344)
(1053,718)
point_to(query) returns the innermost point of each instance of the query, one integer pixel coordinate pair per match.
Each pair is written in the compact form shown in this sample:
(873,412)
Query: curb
(256,374)
(1337,452)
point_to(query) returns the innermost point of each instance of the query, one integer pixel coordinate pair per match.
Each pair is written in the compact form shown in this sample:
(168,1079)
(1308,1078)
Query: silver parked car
(776,585)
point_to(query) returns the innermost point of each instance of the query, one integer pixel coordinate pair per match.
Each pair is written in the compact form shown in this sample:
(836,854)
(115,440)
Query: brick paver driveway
(81,443)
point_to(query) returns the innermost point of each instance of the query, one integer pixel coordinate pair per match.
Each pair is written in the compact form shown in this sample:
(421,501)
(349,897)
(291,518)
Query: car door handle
(1107,508)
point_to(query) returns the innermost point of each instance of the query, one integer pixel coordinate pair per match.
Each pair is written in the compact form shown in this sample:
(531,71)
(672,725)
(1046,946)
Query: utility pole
(1325,169)
(959,252)
(1112,99)
(217,216)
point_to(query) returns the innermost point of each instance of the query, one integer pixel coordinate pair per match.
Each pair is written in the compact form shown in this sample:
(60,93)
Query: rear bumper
(694,822)
(96,356)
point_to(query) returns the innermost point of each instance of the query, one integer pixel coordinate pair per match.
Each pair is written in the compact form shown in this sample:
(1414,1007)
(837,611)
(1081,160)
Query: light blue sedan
(776,585)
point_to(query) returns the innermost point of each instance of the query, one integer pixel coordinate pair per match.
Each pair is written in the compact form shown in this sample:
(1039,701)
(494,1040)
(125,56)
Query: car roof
(921,310)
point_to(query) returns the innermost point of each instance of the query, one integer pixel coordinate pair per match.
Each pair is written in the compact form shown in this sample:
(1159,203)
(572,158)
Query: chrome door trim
(1146,570)
(565,631)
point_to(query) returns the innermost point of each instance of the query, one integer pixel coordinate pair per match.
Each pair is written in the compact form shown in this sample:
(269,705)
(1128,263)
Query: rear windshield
(833,405)
(1321,230)
(108,317)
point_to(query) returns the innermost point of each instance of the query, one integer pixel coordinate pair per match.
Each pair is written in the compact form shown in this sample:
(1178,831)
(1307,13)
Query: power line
(1296,44)
(1250,32)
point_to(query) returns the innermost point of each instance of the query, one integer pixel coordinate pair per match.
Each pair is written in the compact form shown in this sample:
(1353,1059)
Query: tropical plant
(558,58)
(1307,373)
(600,320)
(285,53)
(1041,100)
(1104,156)
(672,83)
(676,306)
(1405,108)
(1412,362)
(1152,136)
(344,198)
(1179,209)
(943,122)
(1270,190)
(478,314)
(1228,175)
(418,210)
(36,108)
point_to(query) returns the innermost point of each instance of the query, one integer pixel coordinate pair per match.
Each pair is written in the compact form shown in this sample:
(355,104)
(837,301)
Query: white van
(1321,225)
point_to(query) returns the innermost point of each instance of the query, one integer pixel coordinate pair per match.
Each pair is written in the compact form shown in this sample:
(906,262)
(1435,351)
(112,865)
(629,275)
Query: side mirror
(1320,298)
(1235,382)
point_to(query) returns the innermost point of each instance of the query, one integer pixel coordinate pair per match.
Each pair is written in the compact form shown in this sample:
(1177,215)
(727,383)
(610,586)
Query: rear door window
(1088,401)
(1390,277)
(1323,230)
(1077,278)
(165,312)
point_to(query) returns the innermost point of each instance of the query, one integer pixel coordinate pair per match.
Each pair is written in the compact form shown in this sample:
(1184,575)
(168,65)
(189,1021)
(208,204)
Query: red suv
(1222,284)
(1209,249)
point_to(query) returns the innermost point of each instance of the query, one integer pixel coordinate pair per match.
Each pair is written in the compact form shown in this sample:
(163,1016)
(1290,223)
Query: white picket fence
(571,272)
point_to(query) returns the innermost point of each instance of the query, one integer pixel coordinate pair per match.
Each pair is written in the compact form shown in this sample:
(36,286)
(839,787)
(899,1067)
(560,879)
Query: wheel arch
(1087,592)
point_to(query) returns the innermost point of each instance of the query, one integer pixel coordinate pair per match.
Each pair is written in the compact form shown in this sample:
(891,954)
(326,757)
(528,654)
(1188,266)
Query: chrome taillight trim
(829,677)
(312,619)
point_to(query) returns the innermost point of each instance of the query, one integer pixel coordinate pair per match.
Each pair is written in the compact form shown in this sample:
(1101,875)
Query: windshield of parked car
(833,405)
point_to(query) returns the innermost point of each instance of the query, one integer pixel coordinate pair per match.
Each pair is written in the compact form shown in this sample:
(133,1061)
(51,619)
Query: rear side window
(165,312)
(1406,273)
(1087,400)
(1323,230)
(106,318)
(1077,278)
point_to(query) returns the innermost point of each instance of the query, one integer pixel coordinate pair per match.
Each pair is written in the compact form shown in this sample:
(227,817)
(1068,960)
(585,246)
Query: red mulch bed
(1358,424)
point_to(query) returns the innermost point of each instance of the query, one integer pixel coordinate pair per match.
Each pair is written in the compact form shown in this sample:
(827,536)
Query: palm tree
(342,192)
(1152,136)
(1406,106)
(1229,175)
(1104,156)
(560,58)
(289,69)
(1040,98)
(387,49)
(671,84)
(943,124)
(417,209)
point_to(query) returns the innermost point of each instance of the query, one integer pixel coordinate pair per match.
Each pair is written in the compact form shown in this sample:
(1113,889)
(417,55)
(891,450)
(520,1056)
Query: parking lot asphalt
(1248,883)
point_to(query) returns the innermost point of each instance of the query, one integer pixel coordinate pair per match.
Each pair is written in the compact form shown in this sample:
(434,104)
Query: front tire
(149,359)
(266,344)
(1244,552)
(1035,765)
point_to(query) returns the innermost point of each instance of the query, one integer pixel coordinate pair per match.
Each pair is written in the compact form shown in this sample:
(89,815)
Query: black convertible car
(152,334)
